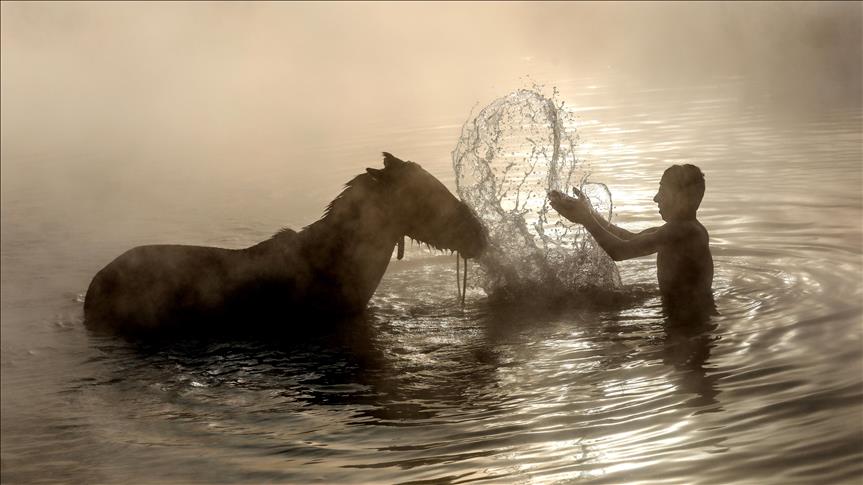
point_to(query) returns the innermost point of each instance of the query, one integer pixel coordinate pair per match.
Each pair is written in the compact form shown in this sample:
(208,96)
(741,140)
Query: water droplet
(508,157)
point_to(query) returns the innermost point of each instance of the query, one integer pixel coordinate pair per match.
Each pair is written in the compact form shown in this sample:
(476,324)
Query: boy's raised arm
(578,208)
(619,243)
(641,244)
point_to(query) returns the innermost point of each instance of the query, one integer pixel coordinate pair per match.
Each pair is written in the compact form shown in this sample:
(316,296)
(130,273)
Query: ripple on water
(597,389)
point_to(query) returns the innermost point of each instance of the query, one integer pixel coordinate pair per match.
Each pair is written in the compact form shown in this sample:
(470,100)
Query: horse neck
(353,243)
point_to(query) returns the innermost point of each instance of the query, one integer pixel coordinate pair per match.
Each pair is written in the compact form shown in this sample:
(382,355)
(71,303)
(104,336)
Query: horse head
(427,211)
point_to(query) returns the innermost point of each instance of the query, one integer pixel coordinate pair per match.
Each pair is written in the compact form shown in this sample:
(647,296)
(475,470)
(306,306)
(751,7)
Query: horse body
(169,287)
(328,270)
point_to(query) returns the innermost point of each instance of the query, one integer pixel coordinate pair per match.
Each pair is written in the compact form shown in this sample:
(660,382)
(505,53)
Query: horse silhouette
(327,271)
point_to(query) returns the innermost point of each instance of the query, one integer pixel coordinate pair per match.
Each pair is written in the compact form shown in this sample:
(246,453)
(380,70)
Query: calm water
(424,390)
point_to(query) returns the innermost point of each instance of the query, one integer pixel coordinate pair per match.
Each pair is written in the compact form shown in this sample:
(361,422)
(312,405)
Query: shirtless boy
(683,262)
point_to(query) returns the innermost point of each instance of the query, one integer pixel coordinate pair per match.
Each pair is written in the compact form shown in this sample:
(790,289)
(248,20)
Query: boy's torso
(684,264)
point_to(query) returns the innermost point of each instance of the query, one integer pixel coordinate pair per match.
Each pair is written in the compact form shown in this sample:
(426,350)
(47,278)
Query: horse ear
(376,173)
(391,161)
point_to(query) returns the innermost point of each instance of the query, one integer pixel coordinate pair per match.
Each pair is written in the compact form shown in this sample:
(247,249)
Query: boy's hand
(577,209)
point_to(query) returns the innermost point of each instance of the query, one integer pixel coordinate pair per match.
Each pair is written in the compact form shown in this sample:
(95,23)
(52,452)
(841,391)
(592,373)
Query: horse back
(152,287)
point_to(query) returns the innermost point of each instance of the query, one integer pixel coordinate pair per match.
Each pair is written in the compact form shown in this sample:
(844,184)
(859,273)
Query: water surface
(422,389)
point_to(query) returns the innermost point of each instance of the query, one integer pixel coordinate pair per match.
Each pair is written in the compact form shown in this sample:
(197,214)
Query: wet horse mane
(348,194)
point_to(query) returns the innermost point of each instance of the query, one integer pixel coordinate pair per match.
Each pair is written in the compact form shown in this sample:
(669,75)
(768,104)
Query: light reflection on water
(423,389)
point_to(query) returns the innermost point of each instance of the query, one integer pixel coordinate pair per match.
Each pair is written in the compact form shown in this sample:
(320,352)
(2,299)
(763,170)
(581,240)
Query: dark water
(770,391)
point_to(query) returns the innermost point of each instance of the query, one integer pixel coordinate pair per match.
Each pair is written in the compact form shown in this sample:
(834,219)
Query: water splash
(508,157)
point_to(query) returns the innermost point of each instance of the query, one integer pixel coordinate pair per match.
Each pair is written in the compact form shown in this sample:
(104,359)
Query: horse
(327,271)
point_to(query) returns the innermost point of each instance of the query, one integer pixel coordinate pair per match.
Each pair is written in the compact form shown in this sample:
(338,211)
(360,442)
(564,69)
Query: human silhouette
(683,262)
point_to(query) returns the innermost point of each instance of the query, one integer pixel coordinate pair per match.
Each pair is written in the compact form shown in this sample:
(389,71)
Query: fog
(217,124)
(127,91)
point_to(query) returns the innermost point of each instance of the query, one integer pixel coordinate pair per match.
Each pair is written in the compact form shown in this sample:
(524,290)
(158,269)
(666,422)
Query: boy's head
(680,192)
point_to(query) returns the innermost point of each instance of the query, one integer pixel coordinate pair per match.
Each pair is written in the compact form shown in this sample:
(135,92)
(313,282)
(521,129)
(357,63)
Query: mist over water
(218,124)
(155,90)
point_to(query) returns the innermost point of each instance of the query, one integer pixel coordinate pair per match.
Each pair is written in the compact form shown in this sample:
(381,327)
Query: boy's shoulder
(683,230)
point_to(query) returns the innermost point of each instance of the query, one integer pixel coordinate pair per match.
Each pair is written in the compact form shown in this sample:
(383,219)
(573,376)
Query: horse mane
(361,180)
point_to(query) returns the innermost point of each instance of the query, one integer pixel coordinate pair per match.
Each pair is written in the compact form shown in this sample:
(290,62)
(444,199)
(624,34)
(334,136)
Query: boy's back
(684,267)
